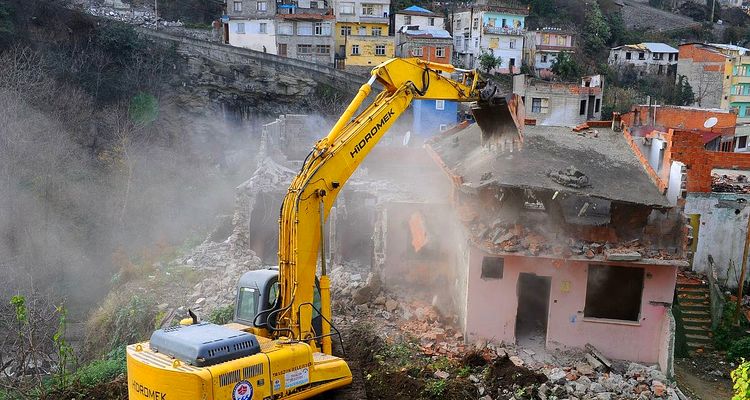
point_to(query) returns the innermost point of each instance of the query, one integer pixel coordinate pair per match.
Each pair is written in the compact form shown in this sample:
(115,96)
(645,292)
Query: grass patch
(121,320)
(104,370)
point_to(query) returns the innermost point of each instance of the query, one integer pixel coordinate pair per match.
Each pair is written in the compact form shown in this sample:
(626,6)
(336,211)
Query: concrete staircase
(693,297)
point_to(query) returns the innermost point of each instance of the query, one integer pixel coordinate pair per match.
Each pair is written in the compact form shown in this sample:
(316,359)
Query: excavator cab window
(246,306)
(273,294)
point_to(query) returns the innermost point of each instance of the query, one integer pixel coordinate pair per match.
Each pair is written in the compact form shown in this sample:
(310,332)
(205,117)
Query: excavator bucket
(501,118)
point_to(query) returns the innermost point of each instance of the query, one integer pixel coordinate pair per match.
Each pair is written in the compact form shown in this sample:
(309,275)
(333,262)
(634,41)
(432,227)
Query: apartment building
(719,75)
(490,27)
(361,33)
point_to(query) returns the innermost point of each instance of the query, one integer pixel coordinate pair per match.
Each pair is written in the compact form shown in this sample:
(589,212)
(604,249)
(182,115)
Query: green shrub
(726,333)
(222,315)
(741,381)
(122,319)
(436,388)
(104,370)
(739,349)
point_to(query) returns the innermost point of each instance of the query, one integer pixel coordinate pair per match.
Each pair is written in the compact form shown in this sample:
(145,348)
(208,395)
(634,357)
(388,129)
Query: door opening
(533,306)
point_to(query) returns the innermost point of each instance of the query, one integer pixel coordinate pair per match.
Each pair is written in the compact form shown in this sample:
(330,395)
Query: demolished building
(568,241)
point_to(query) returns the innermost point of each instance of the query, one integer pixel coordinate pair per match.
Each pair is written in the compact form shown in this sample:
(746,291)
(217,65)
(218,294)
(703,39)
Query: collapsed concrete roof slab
(613,170)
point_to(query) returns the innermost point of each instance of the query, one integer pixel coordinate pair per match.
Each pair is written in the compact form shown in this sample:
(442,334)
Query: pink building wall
(492,304)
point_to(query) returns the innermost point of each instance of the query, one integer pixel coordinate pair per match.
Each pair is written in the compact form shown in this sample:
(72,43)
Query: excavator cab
(258,303)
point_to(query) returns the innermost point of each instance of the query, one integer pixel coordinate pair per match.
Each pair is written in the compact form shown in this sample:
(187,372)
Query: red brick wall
(429,54)
(687,147)
(681,118)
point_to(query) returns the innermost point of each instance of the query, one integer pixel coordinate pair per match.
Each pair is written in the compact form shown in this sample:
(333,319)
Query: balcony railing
(494,30)
(378,19)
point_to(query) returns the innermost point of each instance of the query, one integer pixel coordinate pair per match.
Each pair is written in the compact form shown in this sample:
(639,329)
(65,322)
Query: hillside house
(645,58)
(490,27)
(251,25)
(560,103)
(420,17)
(542,46)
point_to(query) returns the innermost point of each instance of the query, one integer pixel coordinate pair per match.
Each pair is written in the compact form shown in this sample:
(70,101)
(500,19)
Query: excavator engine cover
(204,344)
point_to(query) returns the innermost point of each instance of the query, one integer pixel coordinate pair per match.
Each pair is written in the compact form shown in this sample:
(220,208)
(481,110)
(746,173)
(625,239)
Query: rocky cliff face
(206,84)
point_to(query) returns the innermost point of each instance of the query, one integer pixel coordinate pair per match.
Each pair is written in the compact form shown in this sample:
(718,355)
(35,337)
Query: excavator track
(357,389)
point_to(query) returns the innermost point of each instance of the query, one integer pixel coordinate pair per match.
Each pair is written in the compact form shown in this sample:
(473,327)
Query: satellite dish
(407,137)
(711,122)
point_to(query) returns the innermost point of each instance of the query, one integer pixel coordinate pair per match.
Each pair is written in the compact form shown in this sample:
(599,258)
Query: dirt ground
(703,377)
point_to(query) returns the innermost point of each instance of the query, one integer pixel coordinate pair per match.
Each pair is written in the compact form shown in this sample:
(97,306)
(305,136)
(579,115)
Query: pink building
(567,241)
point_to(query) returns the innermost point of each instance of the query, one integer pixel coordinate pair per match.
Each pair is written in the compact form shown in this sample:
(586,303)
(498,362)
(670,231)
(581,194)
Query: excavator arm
(330,164)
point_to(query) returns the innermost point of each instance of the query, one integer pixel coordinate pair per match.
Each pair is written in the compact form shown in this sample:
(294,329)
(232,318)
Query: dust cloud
(84,187)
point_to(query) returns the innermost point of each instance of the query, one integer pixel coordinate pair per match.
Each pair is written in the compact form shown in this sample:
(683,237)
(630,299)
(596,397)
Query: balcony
(739,98)
(740,79)
(553,48)
(290,11)
(494,30)
(373,19)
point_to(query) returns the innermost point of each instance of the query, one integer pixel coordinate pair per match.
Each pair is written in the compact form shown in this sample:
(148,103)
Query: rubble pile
(585,382)
(222,268)
(730,183)
(571,177)
(140,16)
(515,238)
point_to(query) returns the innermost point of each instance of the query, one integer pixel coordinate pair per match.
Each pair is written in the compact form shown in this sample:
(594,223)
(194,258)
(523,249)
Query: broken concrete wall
(666,344)
(676,182)
(421,252)
(721,233)
(492,306)
(294,135)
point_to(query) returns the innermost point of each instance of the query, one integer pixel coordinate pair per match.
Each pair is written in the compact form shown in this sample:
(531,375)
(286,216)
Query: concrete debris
(730,183)
(570,177)
(441,375)
(142,16)
(615,255)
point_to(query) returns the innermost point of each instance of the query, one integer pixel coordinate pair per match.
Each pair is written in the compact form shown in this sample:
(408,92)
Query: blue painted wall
(427,118)
(511,21)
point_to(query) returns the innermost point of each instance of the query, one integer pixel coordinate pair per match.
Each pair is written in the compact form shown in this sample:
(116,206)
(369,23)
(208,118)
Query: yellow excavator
(279,345)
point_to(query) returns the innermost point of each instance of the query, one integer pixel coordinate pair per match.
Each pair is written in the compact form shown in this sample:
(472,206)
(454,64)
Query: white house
(648,58)
(251,25)
(424,19)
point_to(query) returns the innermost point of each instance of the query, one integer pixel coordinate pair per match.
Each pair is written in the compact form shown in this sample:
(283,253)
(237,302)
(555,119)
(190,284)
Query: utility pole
(713,5)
